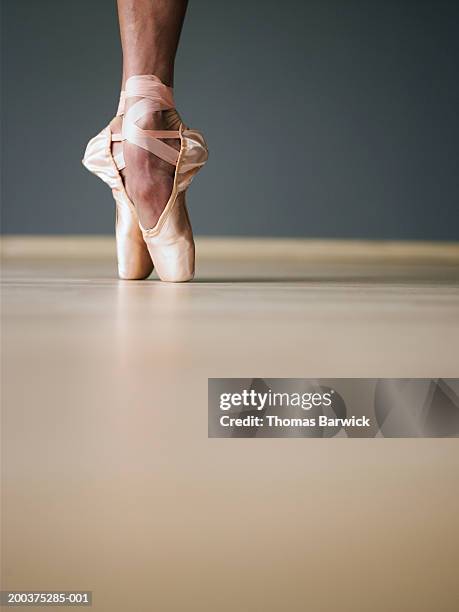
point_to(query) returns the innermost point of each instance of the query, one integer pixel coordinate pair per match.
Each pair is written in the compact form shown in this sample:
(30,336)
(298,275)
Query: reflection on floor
(110,482)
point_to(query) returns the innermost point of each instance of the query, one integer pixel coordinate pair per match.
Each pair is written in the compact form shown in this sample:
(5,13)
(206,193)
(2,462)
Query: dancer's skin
(150,32)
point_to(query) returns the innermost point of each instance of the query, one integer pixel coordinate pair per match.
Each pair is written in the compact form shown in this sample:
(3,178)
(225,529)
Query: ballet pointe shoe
(170,242)
(134,261)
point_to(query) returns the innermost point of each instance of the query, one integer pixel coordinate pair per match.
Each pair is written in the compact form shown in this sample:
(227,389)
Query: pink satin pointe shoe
(134,261)
(170,242)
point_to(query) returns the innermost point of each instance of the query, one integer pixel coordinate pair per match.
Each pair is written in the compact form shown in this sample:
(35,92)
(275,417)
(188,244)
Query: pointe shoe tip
(178,278)
(129,276)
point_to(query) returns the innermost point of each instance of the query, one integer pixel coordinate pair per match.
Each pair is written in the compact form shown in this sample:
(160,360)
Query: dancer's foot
(149,179)
(134,261)
(151,183)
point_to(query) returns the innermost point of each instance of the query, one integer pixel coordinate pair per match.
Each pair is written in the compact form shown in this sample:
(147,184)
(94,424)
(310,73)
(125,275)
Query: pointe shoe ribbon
(155,96)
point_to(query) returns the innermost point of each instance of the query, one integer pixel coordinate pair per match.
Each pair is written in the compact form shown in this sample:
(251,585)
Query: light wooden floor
(110,482)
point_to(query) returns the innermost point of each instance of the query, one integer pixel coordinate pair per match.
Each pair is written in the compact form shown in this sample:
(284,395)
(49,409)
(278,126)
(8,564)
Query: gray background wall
(325,118)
